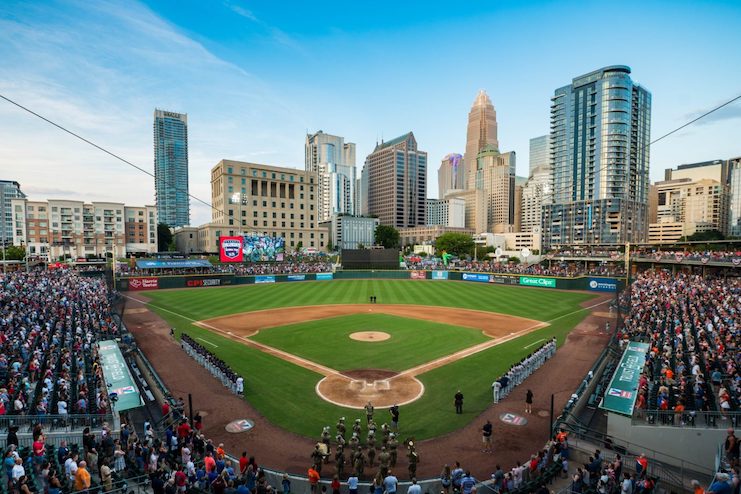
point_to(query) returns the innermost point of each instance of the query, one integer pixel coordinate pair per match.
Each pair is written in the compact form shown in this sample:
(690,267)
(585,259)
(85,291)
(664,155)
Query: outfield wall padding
(587,283)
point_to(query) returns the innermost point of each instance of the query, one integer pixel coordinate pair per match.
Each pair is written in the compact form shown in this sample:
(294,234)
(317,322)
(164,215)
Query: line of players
(380,444)
(521,370)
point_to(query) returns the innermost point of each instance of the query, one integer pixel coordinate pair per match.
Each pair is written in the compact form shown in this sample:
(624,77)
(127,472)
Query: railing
(688,418)
(54,423)
(670,469)
(137,485)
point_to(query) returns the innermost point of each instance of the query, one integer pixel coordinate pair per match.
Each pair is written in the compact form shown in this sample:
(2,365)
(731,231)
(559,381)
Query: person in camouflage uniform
(384,460)
(354,442)
(326,440)
(413,458)
(369,412)
(341,429)
(393,444)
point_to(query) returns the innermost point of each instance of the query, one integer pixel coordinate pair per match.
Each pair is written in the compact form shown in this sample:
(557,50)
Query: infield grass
(285,392)
(413,341)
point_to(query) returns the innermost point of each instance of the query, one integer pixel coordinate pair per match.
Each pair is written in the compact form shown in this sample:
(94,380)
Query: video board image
(258,248)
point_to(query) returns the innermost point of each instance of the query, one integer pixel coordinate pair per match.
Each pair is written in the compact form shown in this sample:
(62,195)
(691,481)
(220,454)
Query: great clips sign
(230,249)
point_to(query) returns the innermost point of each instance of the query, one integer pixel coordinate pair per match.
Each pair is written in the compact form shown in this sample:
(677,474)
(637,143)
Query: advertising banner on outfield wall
(504,280)
(264,279)
(230,249)
(204,282)
(602,285)
(418,275)
(621,394)
(143,283)
(296,277)
(324,276)
(439,275)
(482,278)
(533,281)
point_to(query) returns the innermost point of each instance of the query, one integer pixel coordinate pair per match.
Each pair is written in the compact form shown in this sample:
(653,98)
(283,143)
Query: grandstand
(56,400)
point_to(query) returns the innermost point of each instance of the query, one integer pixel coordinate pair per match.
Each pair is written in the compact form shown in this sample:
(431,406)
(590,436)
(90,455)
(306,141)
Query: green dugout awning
(117,376)
(621,394)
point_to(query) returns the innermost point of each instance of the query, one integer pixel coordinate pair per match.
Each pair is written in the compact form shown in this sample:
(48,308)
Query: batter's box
(383,385)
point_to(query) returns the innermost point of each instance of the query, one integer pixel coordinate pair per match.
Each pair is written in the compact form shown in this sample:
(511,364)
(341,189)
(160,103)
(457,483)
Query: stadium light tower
(237,197)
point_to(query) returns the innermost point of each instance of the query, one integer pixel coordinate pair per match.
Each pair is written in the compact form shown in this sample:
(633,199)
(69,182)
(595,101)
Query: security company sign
(532,281)
(623,389)
(231,249)
(602,285)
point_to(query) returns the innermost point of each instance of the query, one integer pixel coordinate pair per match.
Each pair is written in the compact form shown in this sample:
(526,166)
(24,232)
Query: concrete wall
(692,444)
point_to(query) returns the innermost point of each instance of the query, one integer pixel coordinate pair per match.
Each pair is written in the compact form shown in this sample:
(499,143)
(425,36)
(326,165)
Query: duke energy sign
(622,392)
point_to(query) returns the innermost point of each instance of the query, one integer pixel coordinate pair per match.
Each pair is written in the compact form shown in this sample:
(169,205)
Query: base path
(355,391)
(279,449)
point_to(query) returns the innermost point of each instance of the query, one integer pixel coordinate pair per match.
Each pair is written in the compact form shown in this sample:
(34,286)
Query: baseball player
(369,412)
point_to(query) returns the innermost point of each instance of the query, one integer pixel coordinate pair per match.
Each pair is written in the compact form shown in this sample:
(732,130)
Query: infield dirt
(354,392)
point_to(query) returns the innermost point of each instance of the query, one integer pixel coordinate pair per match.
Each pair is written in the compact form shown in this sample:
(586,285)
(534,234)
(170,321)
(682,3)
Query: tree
(388,236)
(513,259)
(482,251)
(706,236)
(15,253)
(299,246)
(164,237)
(329,245)
(457,244)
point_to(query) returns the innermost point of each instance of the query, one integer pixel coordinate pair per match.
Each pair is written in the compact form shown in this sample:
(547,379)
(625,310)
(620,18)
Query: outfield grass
(413,341)
(285,392)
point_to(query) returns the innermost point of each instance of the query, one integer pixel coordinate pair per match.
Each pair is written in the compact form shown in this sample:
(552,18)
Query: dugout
(369,258)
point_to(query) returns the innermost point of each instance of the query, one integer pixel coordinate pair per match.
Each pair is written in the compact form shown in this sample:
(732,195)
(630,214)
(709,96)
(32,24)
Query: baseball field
(312,352)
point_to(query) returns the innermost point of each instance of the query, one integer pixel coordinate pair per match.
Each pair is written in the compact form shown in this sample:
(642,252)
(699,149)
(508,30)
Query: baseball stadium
(303,370)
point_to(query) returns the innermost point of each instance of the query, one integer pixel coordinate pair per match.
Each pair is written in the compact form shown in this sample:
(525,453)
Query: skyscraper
(600,131)
(493,175)
(540,153)
(334,161)
(536,192)
(734,181)
(482,131)
(171,167)
(8,190)
(450,175)
(396,174)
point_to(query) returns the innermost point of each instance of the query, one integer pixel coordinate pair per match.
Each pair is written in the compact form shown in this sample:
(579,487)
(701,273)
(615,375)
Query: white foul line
(534,343)
(206,341)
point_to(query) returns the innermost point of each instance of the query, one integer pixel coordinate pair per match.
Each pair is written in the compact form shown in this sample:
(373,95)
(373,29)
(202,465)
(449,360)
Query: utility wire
(101,148)
(87,141)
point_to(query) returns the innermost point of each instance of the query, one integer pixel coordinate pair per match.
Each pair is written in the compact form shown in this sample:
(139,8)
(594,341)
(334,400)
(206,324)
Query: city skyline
(244,100)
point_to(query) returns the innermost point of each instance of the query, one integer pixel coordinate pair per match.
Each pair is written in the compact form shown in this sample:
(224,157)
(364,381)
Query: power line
(211,206)
(101,148)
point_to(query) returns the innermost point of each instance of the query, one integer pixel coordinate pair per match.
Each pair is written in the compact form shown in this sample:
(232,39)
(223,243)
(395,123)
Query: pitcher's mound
(355,388)
(370,336)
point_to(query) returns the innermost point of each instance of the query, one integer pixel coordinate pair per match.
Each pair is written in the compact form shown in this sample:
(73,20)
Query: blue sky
(255,76)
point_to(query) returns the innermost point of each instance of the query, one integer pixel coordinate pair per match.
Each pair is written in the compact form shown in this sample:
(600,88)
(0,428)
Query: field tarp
(621,394)
(117,376)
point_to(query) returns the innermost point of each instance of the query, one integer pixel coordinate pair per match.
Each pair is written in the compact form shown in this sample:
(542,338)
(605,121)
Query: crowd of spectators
(217,367)
(691,323)
(289,266)
(562,269)
(50,322)
(729,256)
